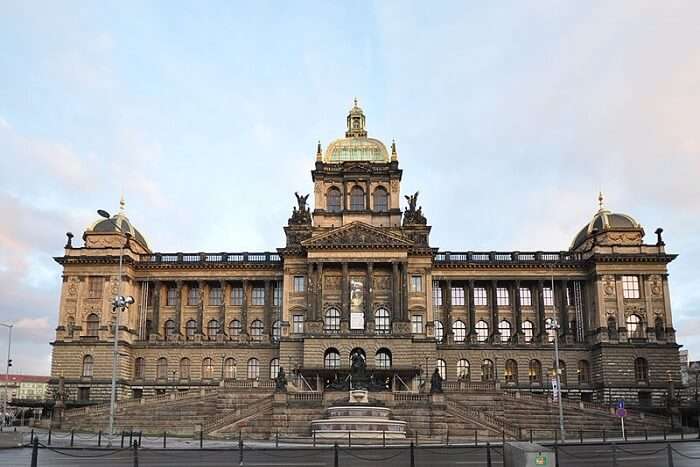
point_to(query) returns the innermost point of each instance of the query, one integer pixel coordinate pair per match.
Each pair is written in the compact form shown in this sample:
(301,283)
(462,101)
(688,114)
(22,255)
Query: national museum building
(359,276)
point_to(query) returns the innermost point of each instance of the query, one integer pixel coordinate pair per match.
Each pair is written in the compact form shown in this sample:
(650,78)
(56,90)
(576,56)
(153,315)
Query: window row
(635,327)
(511,375)
(214,328)
(480,296)
(216,296)
(380,199)
(331,358)
(505,329)
(182,371)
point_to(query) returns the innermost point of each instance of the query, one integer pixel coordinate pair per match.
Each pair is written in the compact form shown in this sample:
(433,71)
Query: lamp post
(555,327)
(119,305)
(7,370)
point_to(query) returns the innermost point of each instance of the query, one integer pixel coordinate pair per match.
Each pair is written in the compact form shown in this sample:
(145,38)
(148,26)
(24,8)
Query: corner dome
(356,146)
(605,221)
(118,223)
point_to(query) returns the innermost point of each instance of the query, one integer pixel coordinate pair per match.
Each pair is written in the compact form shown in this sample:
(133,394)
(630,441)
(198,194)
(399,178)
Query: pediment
(357,235)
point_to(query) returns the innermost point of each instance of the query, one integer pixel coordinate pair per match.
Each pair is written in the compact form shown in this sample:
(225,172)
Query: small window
(234,328)
(548,296)
(276,294)
(502,297)
(528,330)
(191,329)
(417,324)
(535,371)
(331,322)
(511,371)
(441,367)
(437,294)
(630,286)
(256,329)
(459,331)
(139,368)
(612,329)
(480,296)
(333,200)
(458,296)
(88,362)
(635,329)
(216,296)
(193,295)
(331,359)
(482,331)
(297,324)
(504,329)
(357,199)
(416,283)
(641,370)
(381,200)
(230,368)
(584,372)
(274,368)
(253,368)
(299,284)
(549,328)
(439,330)
(92,325)
(212,328)
(207,368)
(185,368)
(162,368)
(258,296)
(487,373)
(276,331)
(83,394)
(463,370)
(95,286)
(383,359)
(169,328)
(237,296)
(525,296)
(382,321)
(172,296)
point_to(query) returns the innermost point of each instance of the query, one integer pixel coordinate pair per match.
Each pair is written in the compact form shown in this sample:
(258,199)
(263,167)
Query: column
(319,291)
(493,309)
(396,289)
(517,311)
(178,306)
(155,320)
(447,303)
(563,308)
(200,308)
(244,308)
(222,308)
(310,297)
(542,335)
(404,291)
(472,309)
(344,299)
(370,293)
(267,309)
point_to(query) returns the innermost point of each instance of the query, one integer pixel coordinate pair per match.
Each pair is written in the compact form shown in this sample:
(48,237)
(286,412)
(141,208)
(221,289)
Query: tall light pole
(119,305)
(555,327)
(7,369)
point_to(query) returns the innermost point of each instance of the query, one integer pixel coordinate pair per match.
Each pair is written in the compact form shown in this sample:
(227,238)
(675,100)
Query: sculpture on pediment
(301,215)
(413,215)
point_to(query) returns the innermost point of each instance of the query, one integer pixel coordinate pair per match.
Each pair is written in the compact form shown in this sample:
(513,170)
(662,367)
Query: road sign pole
(622,423)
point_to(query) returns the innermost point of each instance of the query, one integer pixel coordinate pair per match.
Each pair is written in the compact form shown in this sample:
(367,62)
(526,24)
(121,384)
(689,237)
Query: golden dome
(356,146)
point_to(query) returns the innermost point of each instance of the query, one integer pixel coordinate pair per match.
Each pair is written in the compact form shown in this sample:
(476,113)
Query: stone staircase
(254,420)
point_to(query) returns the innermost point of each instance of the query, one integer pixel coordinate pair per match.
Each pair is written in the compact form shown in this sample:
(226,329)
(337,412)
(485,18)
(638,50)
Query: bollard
(614,454)
(447,442)
(240,452)
(335,455)
(35,451)
(165,437)
(383,438)
(136,454)
(49,441)
(416,433)
(349,438)
(201,439)
(503,437)
(488,454)
(646,434)
(476,438)
(531,435)
(31,437)
(72,435)
(277,439)
(314,438)
(670,454)
(123,436)
(413,458)
(99,439)
(140,433)
(131,436)
(556,456)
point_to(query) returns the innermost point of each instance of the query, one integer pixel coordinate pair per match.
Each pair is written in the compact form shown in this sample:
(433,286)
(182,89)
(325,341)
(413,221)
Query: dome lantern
(608,228)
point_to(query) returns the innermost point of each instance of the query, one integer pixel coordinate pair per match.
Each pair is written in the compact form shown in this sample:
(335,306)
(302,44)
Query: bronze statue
(412,201)
(301,200)
(436,382)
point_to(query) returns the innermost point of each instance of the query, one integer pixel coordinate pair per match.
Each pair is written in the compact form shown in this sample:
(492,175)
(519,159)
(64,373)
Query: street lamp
(7,370)
(555,327)
(119,304)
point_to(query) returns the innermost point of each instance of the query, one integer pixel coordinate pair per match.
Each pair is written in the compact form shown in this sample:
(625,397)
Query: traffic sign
(621,404)
(621,412)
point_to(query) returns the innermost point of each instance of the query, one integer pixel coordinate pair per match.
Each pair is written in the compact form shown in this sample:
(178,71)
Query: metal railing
(209,258)
(508,257)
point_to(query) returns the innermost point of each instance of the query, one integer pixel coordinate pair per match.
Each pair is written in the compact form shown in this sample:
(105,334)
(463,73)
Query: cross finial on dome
(600,200)
(355,100)
(319,152)
(122,204)
(393,149)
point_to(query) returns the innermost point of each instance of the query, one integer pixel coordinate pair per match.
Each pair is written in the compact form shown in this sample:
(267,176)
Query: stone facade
(357,272)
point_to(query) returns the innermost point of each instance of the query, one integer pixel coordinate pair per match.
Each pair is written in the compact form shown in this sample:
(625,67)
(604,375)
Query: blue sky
(509,118)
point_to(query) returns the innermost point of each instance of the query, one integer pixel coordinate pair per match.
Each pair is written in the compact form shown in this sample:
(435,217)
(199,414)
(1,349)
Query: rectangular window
(237,296)
(258,296)
(525,296)
(298,324)
(276,294)
(417,324)
(416,283)
(172,296)
(437,294)
(216,296)
(502,297)
(458,296)
(480,296)
(95,285)
(83,394)
(193,295)
(548,296)
(630,286)
(299,284)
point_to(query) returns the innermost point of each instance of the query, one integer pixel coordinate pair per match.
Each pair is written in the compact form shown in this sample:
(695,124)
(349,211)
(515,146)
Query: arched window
(331,358)
(562,372)
(382,321)
(463,369)
(88,362)
(92,325)
(584,372)
(534,372)
(659,331)
(459,331)
(482,331)
(256,329)
(357,199)
(504,330)
(441,367)
(276,331)
(207,368)
(439,330)
(333,200)
(382,359)
(528,330)
(274,368)
(191,329)
(212,328)
(169,328)
(331,322)
(230,368)
(162,368)
(549,328)
(511,371)
(185,368)
(139,368)
(487,370)
(253,368)
(381,200)
(612,329)
(234,328)
(641,370)
(634,326)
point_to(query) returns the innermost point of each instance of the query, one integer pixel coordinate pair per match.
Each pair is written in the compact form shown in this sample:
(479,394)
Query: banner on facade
(357,304)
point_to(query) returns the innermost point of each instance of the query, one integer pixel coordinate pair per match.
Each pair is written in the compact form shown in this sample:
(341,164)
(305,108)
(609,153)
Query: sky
(509,118)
